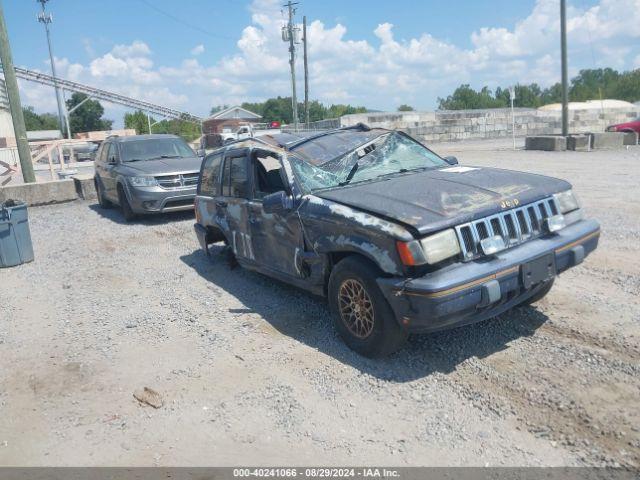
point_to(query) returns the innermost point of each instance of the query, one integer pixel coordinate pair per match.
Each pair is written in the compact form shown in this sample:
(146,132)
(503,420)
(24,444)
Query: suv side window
(235,178)
(210,177)
(267,177)
(239,177)
(112,153)
(226,178)
(101,157)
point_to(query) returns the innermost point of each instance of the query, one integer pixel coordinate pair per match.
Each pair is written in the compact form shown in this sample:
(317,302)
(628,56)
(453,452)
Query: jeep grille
(515,226)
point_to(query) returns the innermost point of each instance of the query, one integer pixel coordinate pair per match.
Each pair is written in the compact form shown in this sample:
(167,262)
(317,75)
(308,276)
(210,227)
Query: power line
(183,22)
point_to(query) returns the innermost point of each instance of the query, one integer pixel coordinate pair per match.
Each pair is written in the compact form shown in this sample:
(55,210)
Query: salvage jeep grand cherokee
(399,239)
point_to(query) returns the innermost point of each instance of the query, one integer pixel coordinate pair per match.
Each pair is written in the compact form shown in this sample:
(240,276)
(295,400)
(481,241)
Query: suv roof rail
(358,126)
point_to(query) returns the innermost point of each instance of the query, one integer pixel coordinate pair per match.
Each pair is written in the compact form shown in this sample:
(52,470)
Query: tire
(361,314)
(102,201)
(541,294)
(127,211)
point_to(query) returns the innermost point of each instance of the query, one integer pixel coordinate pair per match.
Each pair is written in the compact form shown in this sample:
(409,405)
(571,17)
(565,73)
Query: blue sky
(373,53)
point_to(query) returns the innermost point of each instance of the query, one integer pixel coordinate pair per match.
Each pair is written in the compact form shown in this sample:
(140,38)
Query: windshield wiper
(352,172)
(136,160)
(170,156)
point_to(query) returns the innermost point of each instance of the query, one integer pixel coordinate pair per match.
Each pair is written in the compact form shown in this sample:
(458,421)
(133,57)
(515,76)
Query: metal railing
(98,94)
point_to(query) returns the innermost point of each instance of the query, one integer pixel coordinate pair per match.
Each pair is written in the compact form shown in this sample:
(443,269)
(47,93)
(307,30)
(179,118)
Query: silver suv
(146,174)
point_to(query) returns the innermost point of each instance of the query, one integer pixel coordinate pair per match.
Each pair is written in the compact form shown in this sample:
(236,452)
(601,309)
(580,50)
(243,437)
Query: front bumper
(466,293)
(160,200)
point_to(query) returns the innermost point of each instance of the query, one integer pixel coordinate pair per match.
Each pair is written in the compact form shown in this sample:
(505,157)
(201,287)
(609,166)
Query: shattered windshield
(387,154)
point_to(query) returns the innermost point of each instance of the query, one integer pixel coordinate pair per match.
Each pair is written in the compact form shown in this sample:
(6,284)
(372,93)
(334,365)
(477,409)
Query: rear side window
(112,155)
(209,179)
(235,178)
(102,155)
(239,177)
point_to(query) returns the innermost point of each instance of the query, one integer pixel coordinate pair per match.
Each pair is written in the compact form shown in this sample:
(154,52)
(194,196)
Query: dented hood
(435,199)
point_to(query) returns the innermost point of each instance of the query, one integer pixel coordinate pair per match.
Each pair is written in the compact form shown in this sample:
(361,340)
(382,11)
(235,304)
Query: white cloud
(379,74)
(197,50)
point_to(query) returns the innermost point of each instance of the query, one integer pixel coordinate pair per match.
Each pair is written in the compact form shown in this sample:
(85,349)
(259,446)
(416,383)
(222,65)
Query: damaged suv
(398,238)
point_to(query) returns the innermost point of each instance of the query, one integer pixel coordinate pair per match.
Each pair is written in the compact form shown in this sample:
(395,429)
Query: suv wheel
(362,316)
(127,211)
(104,203)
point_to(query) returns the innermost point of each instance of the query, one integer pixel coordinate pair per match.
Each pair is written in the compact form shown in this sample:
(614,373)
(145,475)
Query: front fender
(380,255)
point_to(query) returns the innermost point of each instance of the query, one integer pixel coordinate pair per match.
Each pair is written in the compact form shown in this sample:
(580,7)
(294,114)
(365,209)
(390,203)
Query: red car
(632,126)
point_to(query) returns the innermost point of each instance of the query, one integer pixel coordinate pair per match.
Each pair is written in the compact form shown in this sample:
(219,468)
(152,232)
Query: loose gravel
(251,372)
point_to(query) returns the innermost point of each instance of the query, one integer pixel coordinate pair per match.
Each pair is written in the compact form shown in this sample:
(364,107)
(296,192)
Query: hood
(435,199)
(165,166)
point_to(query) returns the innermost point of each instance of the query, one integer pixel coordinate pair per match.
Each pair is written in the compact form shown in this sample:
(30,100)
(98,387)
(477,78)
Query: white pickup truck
(247,131)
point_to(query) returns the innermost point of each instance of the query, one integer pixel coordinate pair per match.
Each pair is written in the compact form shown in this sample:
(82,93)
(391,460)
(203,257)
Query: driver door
(277,238)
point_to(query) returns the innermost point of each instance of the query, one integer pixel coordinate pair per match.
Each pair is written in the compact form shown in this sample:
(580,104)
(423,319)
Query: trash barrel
(15,239)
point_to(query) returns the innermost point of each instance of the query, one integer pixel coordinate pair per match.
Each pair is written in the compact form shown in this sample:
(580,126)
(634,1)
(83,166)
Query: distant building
(228,120)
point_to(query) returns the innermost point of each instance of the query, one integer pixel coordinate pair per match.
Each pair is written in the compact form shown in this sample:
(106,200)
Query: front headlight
(143,181)
(566,201)
(440,246)
(431,250)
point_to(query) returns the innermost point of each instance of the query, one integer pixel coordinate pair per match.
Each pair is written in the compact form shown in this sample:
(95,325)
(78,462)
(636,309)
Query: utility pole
(512,96)
(306,73)
(46,18)
(565,76)
(24,152)
(289,36)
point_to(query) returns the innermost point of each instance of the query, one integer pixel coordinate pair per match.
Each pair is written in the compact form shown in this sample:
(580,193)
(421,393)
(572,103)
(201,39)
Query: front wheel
(362,316)
(102,201)
(127,211)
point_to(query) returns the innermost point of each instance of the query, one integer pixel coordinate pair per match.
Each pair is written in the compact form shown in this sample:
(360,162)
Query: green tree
(138,121)
(465,97)
(279,109)
(43,121)
(88,117)
(628,86)
(336,111)
(405,108)
(589,84)
(187,130)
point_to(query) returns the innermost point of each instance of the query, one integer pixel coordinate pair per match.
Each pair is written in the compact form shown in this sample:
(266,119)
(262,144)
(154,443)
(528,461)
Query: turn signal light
(411,253)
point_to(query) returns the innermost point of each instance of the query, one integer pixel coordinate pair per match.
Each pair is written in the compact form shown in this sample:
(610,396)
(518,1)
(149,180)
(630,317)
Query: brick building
(228,120)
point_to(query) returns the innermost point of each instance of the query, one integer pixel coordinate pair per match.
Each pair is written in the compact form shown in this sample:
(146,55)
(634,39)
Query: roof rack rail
(296,143)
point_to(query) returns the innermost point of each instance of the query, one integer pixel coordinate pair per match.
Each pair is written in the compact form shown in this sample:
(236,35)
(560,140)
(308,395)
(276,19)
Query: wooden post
(53,175)
(61,157)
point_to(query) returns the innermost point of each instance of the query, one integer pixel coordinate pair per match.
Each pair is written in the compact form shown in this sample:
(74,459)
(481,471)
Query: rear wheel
(102,201)
(127,211)
(362,316)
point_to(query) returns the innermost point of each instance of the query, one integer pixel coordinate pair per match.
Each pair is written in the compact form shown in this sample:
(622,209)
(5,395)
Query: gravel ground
(251,371)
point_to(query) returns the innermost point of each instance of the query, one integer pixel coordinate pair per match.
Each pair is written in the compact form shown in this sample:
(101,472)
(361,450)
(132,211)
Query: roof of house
(234,112)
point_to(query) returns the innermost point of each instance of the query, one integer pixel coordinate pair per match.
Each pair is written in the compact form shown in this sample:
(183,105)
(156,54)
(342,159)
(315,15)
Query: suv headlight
(143,181)
(431,250)
(566,201)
